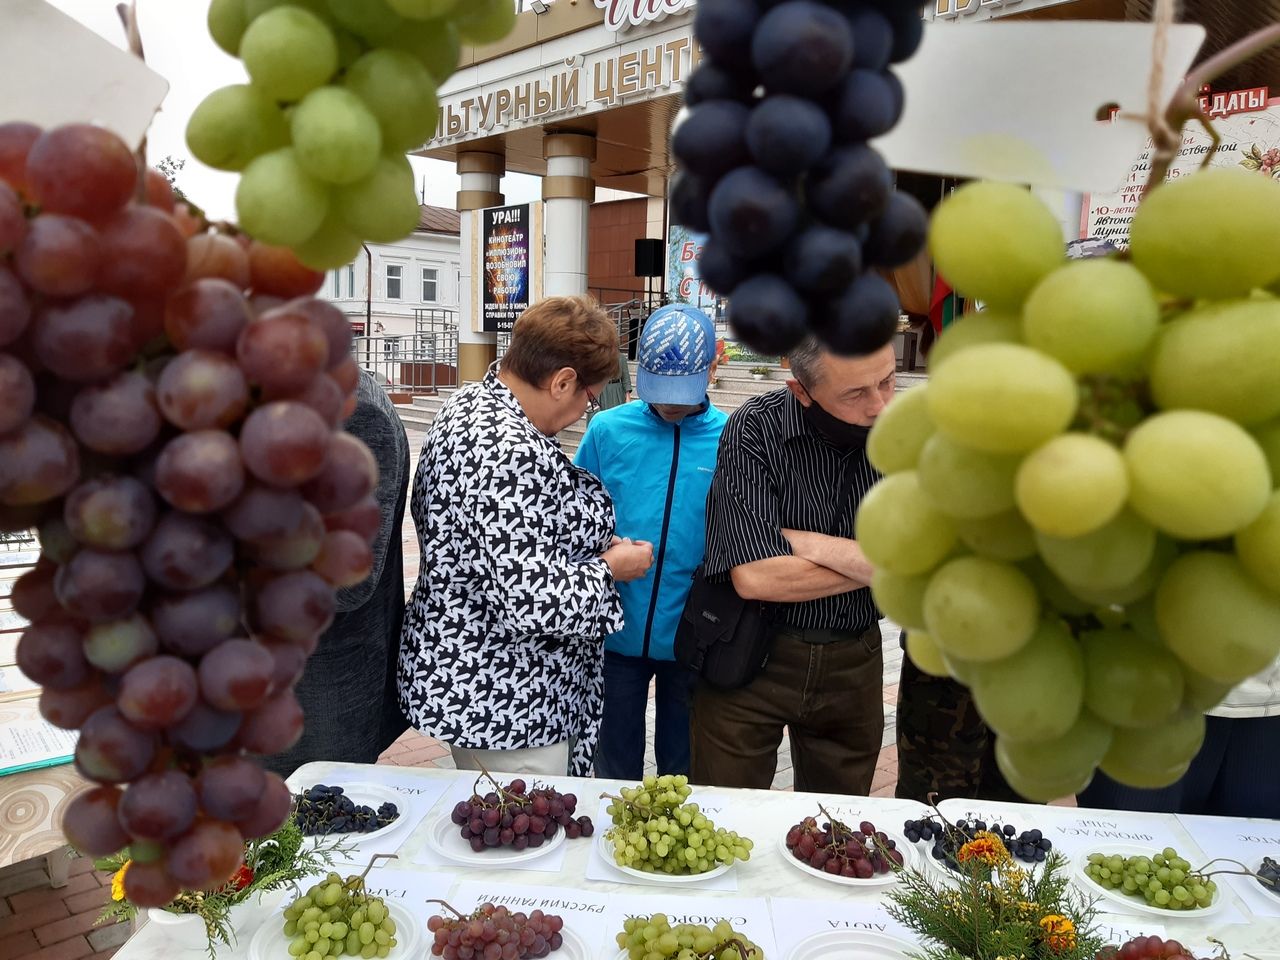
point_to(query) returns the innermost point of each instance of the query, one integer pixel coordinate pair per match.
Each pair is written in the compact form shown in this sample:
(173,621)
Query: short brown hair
(563,332)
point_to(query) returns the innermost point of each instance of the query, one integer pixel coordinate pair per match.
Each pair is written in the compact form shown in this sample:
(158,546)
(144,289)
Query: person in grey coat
(348,692)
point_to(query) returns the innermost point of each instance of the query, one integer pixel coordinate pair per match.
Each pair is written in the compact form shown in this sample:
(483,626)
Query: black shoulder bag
(723,638)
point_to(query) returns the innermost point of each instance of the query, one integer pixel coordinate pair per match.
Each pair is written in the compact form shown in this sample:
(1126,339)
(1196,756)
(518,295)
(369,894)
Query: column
(481,175)
(568,191)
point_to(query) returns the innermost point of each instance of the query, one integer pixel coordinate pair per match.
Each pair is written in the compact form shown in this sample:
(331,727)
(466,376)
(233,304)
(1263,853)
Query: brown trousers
(828,696)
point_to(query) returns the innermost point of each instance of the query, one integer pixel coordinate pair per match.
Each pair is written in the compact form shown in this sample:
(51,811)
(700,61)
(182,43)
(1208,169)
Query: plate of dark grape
(1155,882)
(509,823)
(852,945)
(453,934)
(1148,948)
(356,812)
(829,850)
(940,842)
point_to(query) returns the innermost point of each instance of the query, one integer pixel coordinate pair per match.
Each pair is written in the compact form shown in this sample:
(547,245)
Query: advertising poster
(1248,121)
(684,282)
(505,253)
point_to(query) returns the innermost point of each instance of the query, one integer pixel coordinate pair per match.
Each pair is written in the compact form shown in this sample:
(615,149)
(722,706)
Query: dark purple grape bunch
(841,851)
(518,817)
(775,166)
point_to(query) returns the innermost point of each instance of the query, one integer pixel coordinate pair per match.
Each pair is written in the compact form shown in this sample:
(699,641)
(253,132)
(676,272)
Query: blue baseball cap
(677,349)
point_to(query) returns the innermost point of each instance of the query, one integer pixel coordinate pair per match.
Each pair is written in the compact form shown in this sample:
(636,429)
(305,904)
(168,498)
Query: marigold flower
(1059,932)
(117,882)
(986,848)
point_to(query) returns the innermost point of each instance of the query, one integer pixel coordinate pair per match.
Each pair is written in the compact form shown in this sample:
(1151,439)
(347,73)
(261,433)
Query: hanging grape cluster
(775,166)
(338,91)
(170,410)
(1080,518)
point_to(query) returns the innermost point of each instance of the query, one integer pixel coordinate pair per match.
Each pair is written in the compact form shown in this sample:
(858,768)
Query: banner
(1248,121)
(684,281)
(505,255)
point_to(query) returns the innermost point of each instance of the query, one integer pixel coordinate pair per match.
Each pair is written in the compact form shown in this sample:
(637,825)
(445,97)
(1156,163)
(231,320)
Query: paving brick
(67,928)
(5,909)
(31,898)
(109,937)
(32,876)
(81,865)
(93,899)
(20,945)
(72,949)
(37,916)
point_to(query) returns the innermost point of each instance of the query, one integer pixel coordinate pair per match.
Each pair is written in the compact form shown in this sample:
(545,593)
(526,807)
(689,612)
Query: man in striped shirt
(792,469)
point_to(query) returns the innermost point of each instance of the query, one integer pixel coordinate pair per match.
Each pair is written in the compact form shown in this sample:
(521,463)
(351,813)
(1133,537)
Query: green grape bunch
(338,91)
(653,938)
(655,830)
(1165,880)
(338,918)
(1079,516)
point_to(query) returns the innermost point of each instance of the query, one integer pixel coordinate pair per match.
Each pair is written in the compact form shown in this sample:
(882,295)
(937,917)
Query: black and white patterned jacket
(503,636)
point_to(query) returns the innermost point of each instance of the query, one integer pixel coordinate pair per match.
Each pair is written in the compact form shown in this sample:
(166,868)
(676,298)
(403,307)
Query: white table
(761,815)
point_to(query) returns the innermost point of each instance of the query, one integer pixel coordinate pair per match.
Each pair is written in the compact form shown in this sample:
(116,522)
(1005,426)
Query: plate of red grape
(830,850)
(511,823)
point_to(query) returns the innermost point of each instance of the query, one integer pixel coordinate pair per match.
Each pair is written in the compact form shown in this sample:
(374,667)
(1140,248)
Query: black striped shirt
(774,473)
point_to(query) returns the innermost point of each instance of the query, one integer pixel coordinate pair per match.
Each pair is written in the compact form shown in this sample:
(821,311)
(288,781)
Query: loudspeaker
(648,258)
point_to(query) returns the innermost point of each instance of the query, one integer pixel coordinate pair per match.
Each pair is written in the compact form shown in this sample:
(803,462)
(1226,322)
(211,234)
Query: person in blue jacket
(656,456)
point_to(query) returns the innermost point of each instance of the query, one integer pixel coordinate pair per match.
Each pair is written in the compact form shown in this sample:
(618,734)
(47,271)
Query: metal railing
(414,363)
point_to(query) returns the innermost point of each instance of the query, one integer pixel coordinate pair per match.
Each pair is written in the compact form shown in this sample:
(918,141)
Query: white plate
(882,880)
(371,795)
(445,838)
(1138,904)
(1255,892)
(606,854)
(852,945)
(939,868)
(571,949)
(270,943)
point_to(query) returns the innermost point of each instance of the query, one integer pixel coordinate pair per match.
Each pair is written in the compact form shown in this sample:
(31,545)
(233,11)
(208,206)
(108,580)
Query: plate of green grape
(1161,883)
(336,917)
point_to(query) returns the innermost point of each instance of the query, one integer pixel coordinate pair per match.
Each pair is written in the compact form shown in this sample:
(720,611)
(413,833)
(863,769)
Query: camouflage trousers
(944,748)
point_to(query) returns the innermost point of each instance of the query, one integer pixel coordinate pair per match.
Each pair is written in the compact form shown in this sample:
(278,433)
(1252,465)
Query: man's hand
(840,554)
(628,560)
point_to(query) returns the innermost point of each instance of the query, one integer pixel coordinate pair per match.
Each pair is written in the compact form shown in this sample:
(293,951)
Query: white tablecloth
(766,878)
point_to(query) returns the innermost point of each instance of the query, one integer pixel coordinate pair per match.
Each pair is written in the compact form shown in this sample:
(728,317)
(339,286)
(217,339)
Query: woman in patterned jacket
(502,647)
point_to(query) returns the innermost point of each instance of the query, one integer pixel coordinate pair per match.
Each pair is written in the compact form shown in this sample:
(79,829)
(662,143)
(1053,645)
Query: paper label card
(1245,841)
(54,70)
(1020,101)
(749,917)
(583,911)
(795,921)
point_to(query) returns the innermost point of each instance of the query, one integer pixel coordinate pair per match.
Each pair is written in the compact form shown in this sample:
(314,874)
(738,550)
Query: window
(391,347)
(337,284)
(351,280)
(429,285)
(394,271)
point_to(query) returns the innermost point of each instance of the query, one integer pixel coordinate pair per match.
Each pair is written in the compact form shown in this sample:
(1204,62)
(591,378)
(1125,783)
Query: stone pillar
(568,191)
(481,175)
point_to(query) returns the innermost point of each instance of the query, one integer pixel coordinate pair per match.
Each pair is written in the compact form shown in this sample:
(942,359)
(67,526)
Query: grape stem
(504,797)
(448,906)
(374,859)
(1166,131)
(1244,871)
(128,13)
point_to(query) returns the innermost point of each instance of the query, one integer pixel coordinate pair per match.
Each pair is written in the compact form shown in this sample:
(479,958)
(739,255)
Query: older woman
(501,652)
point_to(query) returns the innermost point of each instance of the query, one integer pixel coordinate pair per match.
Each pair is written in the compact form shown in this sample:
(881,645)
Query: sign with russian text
(621,14)
(506,261)
(684,278)
(1248,121)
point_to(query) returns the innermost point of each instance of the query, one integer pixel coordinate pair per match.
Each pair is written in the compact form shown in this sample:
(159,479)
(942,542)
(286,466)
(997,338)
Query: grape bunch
(653,938)
(517,817)
(840,851)
(1079,518)
(1148,948)
(1029,846)
(1164,880)
(174,437)
(322,810)
(1269,875)
(775,167)
(656,831)
(337,918)
(495,933)
(338,91)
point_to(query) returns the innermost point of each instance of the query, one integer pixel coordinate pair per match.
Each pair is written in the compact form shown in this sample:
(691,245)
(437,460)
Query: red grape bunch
(1148,948)
(494,933)
(841,851)
(775,166)
(171,404)
(517,817)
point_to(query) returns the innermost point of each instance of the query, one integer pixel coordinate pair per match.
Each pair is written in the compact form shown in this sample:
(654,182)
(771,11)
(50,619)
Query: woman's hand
(628,560)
